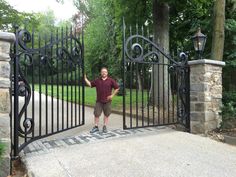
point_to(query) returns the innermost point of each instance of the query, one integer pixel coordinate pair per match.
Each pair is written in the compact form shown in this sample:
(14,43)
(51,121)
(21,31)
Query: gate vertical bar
(40,92)
(142,81)
(188,127)
(75,84)
(57,85)
(137,85)
(67,81)
(52,85)
(131,84)
(83,82)
(71,79)
(148,99)
(46,82)
(62,78)
(124,85)
(32,69)
(16,96)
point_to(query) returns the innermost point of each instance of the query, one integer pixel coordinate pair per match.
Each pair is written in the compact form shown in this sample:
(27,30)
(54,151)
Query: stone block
(4,57)
(213,68)
(5,82)
(207,77)
(208,98)
(5,69)
(193,98)
(5,167)
(197,116)
(4,101)
(210,115)
(197,127)
(210,125)
(5,47)
(192,93)
(199,107)
(197,87)
(192,106)
(201,96)
(4,126)
(208,106)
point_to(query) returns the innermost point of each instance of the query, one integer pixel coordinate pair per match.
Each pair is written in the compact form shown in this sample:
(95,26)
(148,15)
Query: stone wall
(5,42)
(205,95)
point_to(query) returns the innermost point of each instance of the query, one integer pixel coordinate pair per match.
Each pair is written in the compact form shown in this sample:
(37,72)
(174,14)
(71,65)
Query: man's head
(104,72)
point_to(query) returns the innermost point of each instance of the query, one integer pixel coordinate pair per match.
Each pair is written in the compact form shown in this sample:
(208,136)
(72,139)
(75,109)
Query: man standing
(104,86)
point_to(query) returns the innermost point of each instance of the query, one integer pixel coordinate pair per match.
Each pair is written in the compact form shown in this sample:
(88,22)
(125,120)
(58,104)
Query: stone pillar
(5,42)
(205,94)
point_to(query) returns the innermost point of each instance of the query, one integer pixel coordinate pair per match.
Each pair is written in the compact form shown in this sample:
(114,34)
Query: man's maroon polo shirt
(104,88)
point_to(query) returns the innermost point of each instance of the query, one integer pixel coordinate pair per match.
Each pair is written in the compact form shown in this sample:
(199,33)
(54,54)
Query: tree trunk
(218,35)
(140,84)
(160,83)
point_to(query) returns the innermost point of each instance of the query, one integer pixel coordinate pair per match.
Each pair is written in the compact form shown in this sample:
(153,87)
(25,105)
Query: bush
(228,110)
(228,115)
(1,150)
(229,97)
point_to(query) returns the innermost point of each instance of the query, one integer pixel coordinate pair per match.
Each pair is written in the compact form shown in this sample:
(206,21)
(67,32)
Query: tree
(11,17)
(161,38)
(99,36)
(218,35)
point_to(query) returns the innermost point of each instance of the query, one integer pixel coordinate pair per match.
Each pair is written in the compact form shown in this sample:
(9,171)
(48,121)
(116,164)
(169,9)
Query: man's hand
(109,98)
(85,77)
(87,81)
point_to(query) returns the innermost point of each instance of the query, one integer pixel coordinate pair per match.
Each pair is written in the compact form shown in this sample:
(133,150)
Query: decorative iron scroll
(183,90)
(144,51)
(25,54)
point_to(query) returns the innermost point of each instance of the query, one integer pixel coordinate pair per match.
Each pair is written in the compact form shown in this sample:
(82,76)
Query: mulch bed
(218,134)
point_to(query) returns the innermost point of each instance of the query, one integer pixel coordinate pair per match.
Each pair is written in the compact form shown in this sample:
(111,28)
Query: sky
(61,11)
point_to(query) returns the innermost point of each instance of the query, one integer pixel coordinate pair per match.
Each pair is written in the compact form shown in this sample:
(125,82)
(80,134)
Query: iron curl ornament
(24,57)
(142,50)
(183,89)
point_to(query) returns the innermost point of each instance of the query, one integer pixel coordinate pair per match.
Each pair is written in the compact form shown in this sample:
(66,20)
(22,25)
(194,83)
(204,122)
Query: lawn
(90,95)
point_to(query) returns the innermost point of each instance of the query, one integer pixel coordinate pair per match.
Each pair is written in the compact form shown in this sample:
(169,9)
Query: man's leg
(97,113)
(107,112)
(96,120)
(105,120)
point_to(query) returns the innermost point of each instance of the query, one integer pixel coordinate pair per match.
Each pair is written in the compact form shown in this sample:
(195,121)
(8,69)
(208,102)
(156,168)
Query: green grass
(90,95)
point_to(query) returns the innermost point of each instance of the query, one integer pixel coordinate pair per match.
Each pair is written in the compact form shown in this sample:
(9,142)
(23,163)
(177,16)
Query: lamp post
(199,41)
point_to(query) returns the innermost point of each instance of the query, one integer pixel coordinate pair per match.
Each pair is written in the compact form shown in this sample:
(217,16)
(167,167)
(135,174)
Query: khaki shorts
(105,107)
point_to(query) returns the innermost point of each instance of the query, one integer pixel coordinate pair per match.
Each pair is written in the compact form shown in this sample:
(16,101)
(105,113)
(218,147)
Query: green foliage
(10,17)
(228,110)
(228,115)
(185,18)
(229,97)
(99,39)
(2,147)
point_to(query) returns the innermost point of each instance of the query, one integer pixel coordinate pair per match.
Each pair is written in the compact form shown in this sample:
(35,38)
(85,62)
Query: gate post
(205,94)
(5,42)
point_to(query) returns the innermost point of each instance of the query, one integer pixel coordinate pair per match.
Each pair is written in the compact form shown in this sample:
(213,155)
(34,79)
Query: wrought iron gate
(156,86)
(47,85)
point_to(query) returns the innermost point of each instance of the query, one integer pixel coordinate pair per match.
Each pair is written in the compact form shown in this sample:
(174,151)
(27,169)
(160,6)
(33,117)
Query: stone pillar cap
(8,37)
(206,61)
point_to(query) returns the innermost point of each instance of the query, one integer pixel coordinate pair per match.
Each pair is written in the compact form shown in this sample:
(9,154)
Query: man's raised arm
(87,81)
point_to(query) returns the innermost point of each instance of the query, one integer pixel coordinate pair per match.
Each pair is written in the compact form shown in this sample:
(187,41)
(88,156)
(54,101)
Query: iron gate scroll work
(47,85)
(156,86)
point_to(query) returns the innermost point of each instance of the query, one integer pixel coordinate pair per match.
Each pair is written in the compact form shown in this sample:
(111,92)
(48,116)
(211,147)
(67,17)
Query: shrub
(229,97)
(1,150)
(228,112)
